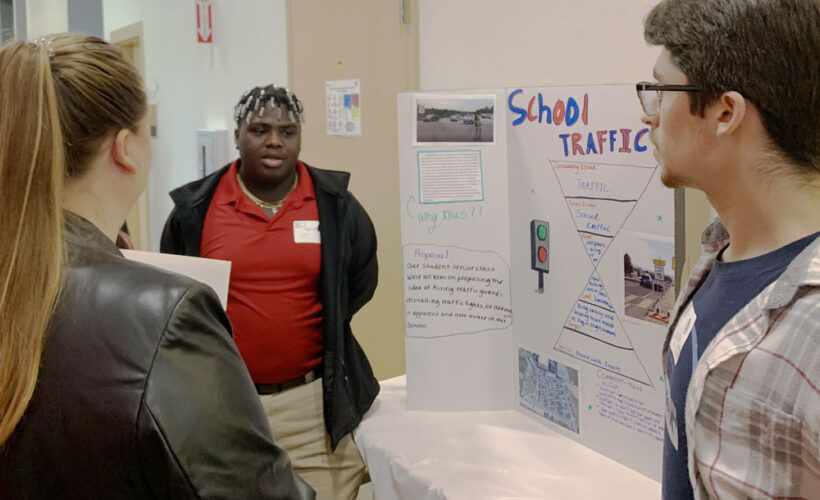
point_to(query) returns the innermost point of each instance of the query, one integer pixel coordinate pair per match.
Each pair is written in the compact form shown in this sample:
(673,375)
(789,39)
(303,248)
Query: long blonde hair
(60,98)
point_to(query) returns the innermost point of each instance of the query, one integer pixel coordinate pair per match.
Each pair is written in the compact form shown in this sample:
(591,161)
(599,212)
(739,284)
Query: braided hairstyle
(259,100)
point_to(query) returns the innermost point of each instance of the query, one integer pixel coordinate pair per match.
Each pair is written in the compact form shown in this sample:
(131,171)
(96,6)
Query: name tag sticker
(306,231)
(682,330)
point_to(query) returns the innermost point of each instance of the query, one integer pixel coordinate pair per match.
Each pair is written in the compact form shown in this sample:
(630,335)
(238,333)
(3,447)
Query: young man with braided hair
(303,254)
(735,113)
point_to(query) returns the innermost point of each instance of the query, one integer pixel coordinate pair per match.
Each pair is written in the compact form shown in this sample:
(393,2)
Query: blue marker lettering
(572,112)
(542,109)
(564,138)
(638,138)
(591,144)
(522,113)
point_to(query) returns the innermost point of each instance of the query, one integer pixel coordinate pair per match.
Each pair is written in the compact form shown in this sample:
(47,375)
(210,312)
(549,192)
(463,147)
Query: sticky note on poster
(454,291)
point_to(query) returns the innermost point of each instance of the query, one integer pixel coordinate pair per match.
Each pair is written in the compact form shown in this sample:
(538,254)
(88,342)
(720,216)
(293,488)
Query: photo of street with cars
(455,120)
(649,278)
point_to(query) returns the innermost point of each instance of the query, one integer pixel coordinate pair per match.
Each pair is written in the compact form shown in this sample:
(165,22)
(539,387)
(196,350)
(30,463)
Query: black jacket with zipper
(141,393)
(347,280)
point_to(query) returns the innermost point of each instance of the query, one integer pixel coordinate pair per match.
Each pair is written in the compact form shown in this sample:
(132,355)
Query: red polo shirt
(273,299)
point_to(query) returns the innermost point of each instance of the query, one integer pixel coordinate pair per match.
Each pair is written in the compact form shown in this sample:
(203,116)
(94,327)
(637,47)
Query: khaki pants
(297,422)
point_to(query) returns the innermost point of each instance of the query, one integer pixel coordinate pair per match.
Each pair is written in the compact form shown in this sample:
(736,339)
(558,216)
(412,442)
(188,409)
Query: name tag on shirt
(682,330)
(306,231)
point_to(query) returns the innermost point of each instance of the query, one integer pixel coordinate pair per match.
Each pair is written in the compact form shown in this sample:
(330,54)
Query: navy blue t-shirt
(728,287)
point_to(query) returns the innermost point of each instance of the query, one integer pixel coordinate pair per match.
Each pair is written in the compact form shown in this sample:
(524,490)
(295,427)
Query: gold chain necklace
(276,205)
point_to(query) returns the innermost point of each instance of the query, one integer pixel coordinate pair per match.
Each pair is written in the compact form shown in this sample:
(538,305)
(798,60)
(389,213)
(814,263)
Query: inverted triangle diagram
(600,197)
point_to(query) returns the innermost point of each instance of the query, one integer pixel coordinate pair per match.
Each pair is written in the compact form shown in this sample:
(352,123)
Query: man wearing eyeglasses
(735,113)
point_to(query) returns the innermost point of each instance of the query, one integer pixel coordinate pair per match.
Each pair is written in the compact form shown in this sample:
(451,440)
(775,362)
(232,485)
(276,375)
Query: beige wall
(361,39)
(486,43)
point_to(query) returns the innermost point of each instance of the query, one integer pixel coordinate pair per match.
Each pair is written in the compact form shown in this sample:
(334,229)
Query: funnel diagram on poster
(600,197)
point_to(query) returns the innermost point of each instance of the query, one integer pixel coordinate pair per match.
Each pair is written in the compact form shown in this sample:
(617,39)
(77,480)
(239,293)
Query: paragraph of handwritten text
(451,291)
(615,403)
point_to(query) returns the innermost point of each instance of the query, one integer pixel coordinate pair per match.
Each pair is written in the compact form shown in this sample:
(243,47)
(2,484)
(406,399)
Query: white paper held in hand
(212,272)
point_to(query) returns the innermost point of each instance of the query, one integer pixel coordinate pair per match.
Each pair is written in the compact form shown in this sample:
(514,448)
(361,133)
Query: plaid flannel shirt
(753,404)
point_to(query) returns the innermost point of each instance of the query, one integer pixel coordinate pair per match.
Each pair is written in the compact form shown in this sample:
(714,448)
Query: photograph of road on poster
(649,277)
(454,119)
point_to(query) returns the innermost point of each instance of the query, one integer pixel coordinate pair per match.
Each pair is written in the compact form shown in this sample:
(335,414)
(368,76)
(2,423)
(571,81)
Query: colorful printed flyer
(343,107)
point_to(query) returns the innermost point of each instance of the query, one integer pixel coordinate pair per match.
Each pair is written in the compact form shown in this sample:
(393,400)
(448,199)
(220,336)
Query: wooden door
(372,41)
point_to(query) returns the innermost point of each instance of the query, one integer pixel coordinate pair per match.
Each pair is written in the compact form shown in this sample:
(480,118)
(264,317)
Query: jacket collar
(81,233)
(332,181)
(715,234)
(804,270)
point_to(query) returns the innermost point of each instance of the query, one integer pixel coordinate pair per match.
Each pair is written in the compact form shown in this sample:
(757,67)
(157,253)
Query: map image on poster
(550,391)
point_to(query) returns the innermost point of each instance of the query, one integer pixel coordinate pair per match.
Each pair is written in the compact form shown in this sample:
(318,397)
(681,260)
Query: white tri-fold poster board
(538,261)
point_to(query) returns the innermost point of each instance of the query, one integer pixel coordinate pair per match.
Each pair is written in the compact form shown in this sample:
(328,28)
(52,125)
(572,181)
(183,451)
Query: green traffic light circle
(542,232)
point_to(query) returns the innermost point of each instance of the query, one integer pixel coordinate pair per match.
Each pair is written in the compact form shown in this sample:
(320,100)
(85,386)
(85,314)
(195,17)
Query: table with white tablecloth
(421,455)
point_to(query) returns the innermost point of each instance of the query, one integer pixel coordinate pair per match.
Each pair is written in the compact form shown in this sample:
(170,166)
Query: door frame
(130,40)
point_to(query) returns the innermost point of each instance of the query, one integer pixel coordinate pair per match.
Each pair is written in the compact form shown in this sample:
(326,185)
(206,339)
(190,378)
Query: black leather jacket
(347,281)
(141,393)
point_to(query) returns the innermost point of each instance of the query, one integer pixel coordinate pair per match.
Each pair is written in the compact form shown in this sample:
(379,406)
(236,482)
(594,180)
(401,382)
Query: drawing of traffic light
(540,249)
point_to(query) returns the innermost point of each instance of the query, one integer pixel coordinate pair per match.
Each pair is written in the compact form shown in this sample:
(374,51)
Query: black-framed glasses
(650,95)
